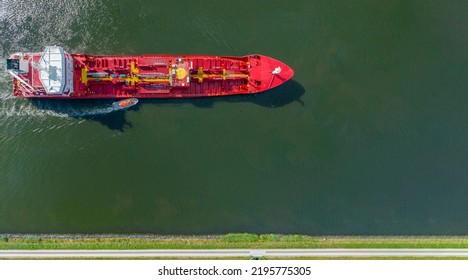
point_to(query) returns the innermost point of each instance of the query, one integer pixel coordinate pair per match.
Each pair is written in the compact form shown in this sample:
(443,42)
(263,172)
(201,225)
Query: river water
(370,136)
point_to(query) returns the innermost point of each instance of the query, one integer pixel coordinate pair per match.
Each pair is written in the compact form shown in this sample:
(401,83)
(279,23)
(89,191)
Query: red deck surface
(165,76)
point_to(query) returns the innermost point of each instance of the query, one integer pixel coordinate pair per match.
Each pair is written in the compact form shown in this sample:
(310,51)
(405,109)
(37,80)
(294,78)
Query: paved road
(234,253)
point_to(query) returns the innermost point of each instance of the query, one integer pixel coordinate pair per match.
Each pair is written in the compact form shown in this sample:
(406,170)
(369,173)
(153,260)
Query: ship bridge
(56,71)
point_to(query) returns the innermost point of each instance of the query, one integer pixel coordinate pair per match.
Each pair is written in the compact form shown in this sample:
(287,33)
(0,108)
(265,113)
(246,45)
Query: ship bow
(267,73)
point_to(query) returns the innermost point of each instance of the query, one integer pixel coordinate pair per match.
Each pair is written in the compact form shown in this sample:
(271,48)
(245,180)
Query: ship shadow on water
(289,92)
(115,120)
(101,110)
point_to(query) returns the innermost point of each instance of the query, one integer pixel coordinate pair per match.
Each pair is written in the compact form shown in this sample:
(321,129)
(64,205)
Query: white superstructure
(56,71)
(47,73)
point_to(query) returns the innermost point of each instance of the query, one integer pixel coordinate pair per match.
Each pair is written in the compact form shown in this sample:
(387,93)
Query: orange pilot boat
(55,73)
(125,103)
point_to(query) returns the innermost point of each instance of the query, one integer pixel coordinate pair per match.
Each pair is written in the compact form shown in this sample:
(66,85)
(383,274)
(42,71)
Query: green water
(370,137)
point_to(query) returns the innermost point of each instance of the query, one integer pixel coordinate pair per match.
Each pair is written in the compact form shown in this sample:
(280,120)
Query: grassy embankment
(230,241)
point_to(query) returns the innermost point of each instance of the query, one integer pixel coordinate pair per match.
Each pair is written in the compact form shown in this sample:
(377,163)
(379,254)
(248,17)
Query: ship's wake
(10,108)
(74,108)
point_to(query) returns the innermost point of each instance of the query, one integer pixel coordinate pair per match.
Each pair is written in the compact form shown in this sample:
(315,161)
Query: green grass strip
(228,241)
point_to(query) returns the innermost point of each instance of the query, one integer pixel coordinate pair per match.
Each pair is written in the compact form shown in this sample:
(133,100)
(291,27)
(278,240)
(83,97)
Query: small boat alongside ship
(55,73)
(125,103)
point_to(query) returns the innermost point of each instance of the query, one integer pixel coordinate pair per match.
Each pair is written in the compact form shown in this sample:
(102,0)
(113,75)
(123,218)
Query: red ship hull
(144,76)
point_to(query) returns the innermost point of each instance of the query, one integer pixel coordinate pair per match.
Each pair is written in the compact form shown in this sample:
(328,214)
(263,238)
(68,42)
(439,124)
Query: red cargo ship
(55,73)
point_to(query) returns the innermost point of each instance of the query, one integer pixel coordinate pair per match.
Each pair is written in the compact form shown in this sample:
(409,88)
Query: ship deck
(159,76)
(163,76)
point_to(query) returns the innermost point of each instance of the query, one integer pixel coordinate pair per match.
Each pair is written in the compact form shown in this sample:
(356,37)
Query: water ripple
(30,25)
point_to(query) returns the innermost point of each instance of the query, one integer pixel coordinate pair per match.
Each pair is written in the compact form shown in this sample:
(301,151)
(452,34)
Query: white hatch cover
(53,71)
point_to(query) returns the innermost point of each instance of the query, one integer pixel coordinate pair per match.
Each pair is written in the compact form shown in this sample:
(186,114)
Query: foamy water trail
(12,107)
(23,108)
(9,110)
(76,112)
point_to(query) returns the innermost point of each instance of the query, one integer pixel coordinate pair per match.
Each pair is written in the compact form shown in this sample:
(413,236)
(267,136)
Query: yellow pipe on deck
(133,69)
(201,75)
(155,80)
(84,75)
(227,76)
